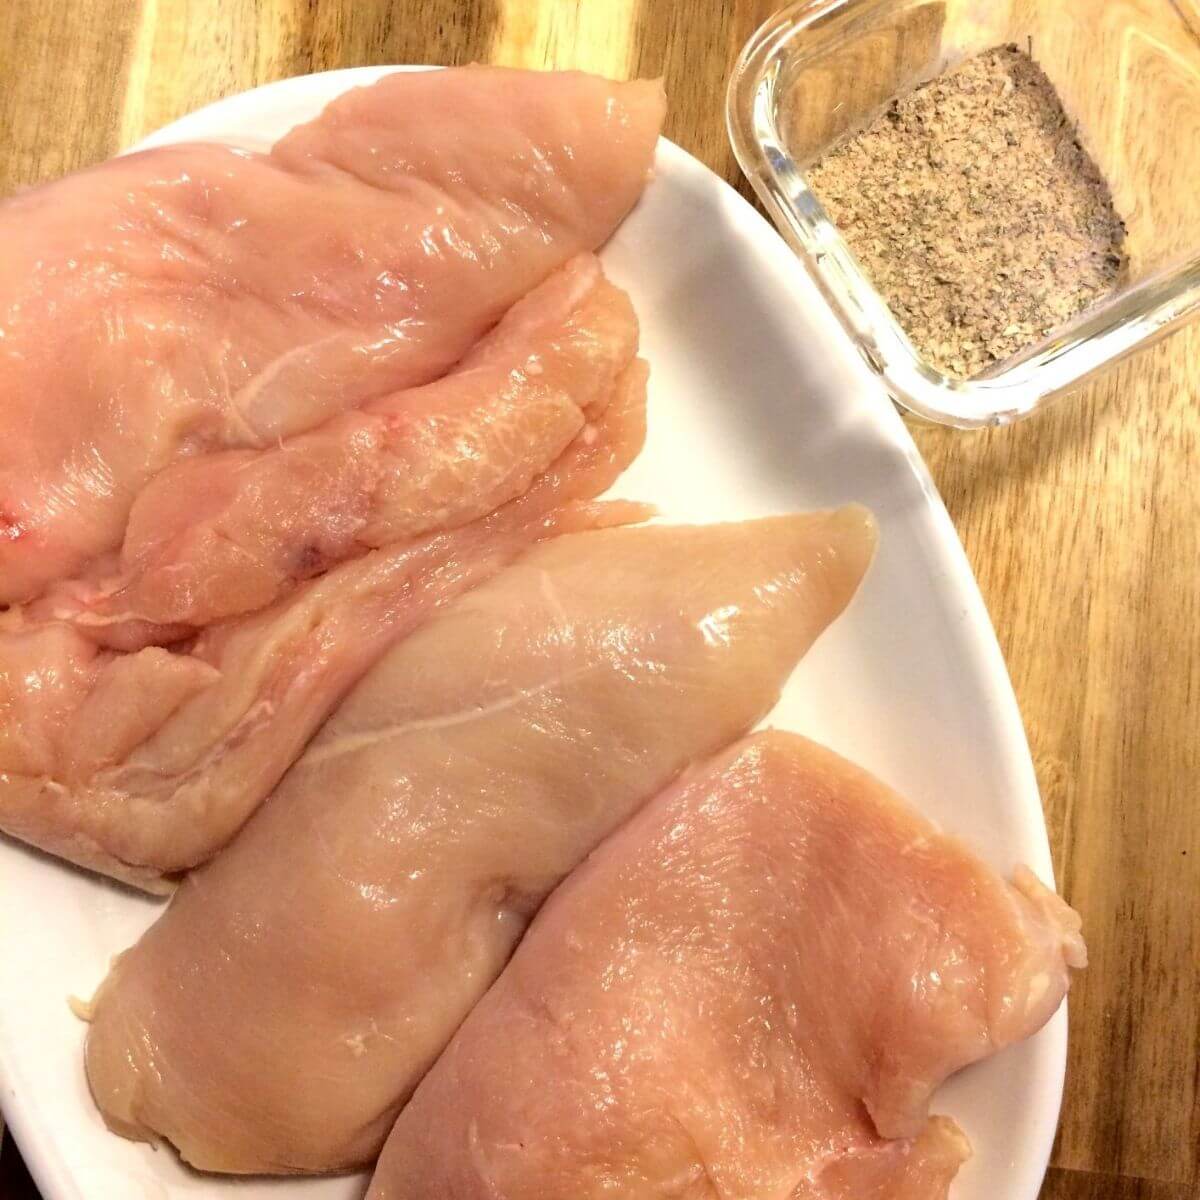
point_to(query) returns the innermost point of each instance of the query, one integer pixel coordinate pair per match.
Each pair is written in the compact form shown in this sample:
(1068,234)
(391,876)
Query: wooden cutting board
(1083,524)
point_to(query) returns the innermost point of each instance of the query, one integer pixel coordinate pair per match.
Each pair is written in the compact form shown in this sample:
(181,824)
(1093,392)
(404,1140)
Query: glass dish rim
(1129,320)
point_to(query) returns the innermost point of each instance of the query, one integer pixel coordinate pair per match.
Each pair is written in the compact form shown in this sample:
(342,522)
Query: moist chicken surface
(254,428)
(279,1014)
(752,989)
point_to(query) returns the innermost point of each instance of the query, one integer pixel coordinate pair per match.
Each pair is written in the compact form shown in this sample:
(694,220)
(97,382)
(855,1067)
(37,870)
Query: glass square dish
(1127,72)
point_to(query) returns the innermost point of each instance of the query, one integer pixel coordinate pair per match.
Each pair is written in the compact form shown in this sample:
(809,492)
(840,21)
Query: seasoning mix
(975,211)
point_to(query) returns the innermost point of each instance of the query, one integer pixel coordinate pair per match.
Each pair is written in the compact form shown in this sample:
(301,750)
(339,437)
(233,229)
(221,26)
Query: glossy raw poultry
(752,989)
(218,376)
(355,920)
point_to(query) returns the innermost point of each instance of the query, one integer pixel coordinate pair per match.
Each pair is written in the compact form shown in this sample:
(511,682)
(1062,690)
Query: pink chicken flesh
(752,989)
(198,298)
(280,1013)
(227,430)
(143,765)
(213,536)
(248,470)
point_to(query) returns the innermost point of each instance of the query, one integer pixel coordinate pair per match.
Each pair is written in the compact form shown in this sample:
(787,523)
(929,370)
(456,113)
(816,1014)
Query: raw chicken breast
(751,990)
(282,1010)
(231,354)
(143,765)
(200,298)
(216,535)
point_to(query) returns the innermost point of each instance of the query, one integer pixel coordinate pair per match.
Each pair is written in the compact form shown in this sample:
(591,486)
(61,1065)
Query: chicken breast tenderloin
(280,1013)
(752,989)
(217,535)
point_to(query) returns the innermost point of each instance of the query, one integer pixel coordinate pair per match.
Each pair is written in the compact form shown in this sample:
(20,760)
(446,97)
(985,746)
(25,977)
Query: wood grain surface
(1083,524)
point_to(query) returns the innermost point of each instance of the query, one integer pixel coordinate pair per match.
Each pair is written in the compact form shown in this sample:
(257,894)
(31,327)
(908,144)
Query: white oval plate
(757,405)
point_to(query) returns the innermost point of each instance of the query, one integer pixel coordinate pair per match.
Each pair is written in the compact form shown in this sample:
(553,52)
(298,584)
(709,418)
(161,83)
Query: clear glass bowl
(1127,71)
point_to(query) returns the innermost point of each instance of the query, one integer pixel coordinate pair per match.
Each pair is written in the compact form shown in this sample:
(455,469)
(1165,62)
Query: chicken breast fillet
(238,362)
(280,1013)
(200,298)
(143,765)
(752,989)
